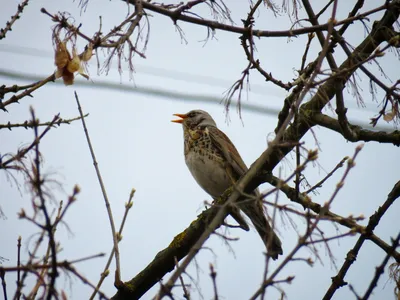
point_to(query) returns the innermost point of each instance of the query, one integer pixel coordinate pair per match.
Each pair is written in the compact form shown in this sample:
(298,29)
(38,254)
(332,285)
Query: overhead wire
(158,92)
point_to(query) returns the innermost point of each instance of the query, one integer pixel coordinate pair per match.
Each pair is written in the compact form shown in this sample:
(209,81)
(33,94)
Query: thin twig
(31,124)
(3,283)
(38,186)
(321,182)
(379,270)
(103,190)
(14,18)
(18,265)
(105,272)
(186,294)
(28,92)
(213,276)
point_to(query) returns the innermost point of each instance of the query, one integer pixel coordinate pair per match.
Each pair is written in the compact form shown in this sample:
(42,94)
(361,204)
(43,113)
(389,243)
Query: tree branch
(338,281)
(358,133)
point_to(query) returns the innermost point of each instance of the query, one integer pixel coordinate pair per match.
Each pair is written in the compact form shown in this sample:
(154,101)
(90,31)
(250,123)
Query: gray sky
(137,147)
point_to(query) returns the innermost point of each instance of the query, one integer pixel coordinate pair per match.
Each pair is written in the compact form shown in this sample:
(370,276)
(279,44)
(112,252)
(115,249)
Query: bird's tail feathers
(256,214)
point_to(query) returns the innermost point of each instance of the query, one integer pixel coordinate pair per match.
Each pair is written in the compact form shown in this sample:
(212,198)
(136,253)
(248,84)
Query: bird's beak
(182,116)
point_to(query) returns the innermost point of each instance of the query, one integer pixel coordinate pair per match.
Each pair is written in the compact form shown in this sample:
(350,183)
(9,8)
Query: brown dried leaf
(59,73)
(81,71)
(68,77)
(75,63)
(62,56)
(390,115)
(88,53)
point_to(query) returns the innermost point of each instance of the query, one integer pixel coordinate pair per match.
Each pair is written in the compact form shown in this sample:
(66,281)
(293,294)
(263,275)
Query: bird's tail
(254,210)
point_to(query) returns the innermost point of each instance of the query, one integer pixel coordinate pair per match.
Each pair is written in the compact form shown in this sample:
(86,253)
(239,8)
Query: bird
(216,165)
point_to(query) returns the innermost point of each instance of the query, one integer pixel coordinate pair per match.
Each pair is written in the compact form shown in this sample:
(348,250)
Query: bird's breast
(209,171)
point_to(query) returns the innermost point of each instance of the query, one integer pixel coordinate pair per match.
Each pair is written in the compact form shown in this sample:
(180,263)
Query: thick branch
(328,90)
(358,133)
(164,261)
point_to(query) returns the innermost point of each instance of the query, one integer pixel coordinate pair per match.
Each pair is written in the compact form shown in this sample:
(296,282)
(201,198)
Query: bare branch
(9,24)
(338,280)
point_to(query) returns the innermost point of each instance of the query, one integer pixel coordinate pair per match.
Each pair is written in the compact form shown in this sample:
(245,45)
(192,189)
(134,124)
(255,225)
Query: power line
(155,71)
(166,94)
(162,93)
(257,89)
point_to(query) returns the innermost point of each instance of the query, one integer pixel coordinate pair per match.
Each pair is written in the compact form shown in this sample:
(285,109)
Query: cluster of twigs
(45,215)
(119,43)
(46,267)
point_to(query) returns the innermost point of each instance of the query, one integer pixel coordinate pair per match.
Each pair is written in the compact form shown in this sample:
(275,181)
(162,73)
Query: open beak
(182,116)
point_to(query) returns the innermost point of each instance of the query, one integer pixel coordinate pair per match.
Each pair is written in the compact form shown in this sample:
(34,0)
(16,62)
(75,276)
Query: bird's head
(195,118)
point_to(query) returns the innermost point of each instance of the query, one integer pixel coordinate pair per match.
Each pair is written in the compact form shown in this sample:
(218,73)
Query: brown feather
(228,151)
(253,209)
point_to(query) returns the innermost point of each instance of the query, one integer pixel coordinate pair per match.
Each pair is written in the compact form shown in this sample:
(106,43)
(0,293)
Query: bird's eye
(192,114)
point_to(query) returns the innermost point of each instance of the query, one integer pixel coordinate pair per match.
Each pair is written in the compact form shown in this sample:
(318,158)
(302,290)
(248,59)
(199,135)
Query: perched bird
(216,165)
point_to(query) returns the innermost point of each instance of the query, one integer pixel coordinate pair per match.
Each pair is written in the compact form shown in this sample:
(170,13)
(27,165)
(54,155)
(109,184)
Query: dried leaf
(81,71)
(389,116)
(68,77)
(59,73)
(88,53)
(74,64)
(62,56)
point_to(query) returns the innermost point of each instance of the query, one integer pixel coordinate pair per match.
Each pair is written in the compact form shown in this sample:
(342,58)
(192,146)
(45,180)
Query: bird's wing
(228,150)
(254,210)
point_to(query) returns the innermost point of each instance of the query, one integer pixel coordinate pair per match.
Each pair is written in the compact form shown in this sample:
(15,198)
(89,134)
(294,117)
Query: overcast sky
(138,147)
